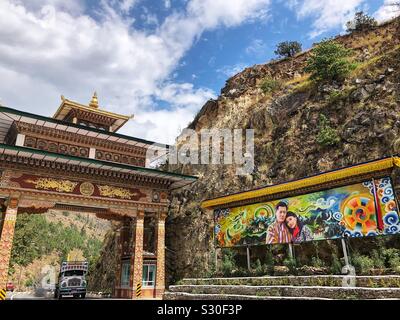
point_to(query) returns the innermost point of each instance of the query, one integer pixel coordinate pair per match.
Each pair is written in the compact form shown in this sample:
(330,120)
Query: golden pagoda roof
(312,181)
(67,105)
(94,103)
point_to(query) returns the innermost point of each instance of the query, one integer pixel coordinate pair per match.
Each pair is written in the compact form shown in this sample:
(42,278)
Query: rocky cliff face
(363,114)
(102,277)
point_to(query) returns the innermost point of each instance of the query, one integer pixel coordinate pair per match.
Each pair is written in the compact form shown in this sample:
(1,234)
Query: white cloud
(211,61)
(183,94)
(328,14)
(230,71)
(167,123)
(53,47)
(127,5)
(150,19)
(71,6)
(387,11)
(167,4)
(257,47)
(211,13)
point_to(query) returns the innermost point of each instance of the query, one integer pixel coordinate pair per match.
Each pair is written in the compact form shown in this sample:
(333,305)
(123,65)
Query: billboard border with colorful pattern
(390,220)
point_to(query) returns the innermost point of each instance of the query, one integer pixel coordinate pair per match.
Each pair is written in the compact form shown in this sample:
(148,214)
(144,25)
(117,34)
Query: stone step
(192,296)
(386,281)
(292,291)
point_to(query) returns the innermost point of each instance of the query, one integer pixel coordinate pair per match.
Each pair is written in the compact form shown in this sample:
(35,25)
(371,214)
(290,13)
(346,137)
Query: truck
(72,280)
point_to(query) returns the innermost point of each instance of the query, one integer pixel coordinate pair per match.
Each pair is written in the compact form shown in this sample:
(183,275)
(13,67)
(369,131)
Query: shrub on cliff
(228,262)
(270,85)
(291,264)
(327,136)
(288,49)
(363,264)
(361,22)
(392,256)
(336,265)
(329,61)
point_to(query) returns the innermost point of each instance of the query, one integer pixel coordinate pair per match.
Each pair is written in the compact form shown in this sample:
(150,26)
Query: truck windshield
(73,273)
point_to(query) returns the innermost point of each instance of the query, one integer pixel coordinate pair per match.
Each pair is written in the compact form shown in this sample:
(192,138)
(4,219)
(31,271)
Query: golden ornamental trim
(57,185)
(396,161)
(88,108)
(112,192)
(306,182)
(86,189)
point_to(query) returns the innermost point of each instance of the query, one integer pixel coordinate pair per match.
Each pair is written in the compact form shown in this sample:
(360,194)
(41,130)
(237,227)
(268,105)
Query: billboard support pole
(248,258)
(346,257)
(291,253)
(216,259)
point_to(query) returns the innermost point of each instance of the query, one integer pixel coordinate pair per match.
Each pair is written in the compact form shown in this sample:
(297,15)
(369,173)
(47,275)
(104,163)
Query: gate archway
(62,163)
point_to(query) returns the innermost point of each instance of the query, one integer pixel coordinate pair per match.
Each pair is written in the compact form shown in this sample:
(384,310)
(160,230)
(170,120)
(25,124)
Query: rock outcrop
(363,111)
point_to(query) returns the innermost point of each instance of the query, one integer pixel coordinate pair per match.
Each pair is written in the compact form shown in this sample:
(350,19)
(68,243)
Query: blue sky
(219,54)
(160,60)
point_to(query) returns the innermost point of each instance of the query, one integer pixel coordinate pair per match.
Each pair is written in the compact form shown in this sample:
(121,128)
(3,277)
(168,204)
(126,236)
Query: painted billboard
(358,210)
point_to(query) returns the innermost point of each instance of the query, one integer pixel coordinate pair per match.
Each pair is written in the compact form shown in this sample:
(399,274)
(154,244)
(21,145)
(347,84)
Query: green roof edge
(110,164)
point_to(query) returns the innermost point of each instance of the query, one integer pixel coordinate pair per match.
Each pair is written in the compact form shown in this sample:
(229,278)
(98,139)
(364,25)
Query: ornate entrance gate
(75,161)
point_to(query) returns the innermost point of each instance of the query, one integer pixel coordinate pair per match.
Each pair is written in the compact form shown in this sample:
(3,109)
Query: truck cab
(72,279)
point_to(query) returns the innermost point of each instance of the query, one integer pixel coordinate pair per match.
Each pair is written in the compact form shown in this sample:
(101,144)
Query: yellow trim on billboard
(322,178)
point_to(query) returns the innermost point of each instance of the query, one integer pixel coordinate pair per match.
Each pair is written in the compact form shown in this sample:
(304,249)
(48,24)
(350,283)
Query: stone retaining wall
(389,281)
(292,291)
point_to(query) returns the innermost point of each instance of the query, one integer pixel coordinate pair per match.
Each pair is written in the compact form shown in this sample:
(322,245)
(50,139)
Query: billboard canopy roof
(318,181)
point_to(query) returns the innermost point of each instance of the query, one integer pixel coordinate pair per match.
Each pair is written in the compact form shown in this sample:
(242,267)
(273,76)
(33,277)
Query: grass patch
(298,80)
(270,85)
(363,66)
(371,41)
(366,65)
(339,95)
(305,86)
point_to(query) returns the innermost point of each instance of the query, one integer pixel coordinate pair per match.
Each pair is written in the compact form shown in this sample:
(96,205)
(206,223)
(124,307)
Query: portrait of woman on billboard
(299,231)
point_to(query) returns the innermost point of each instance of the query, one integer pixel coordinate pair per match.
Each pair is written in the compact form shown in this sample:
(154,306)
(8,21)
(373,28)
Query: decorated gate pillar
(123,251)
(117,283)
(137,265)
(160,269)
(6,239)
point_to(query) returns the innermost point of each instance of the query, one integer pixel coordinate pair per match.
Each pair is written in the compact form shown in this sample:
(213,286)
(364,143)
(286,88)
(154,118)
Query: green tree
(395,4)
(329,61)
(288,49)
(361,22)
(35,237)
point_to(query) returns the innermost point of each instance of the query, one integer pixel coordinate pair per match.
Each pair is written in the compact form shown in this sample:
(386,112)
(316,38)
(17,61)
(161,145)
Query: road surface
(31,296)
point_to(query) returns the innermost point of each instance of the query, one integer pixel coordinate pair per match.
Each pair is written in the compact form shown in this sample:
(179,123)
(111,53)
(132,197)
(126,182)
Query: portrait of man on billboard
(278,231)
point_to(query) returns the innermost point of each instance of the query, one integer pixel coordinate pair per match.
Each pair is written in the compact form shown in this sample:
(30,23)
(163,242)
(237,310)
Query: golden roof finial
(94,103)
